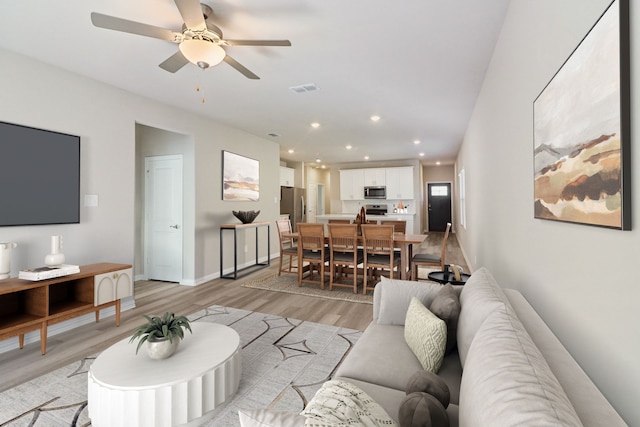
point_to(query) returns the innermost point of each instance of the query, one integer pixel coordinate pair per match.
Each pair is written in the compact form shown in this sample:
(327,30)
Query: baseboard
(58,328)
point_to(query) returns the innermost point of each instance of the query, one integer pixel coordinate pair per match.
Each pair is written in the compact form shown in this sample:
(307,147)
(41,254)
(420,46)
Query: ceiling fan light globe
(203,53)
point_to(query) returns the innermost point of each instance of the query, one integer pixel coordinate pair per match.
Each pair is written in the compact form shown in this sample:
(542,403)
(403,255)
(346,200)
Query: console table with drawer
(34,305)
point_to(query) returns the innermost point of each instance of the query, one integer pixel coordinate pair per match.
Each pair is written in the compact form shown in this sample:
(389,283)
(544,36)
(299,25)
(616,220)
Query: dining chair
(398,225)
(379,253)
(344,253)
(312,249)
(429,260)
(339,221)
(287,246)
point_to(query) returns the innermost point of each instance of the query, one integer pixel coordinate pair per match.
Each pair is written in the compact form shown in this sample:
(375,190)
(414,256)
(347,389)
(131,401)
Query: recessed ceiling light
(348,147)
(318,160)
(366,157)
(315,125)
(438,163)
(290,151)
(323,166)
(421,154)
(375,118)
(416,141)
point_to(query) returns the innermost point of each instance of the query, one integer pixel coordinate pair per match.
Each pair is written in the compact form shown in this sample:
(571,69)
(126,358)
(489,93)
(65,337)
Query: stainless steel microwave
(375,192)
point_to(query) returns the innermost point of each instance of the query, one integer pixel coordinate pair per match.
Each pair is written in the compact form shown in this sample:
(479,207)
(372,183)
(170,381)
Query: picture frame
(240,177)
(582,130)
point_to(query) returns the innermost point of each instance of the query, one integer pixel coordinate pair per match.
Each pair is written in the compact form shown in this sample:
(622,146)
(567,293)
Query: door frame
(426,199)
(148,201)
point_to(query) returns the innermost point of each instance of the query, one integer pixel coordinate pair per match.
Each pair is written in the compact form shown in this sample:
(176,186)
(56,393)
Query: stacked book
(42,273)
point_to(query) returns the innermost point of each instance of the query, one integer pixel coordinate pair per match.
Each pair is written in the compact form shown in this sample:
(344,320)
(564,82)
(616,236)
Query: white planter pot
(161,349)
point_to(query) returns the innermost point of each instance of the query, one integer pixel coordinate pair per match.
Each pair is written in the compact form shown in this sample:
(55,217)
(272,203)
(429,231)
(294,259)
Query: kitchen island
(408,217)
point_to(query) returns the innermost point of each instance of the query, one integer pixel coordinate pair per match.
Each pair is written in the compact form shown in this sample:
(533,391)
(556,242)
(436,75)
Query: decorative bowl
(246,217)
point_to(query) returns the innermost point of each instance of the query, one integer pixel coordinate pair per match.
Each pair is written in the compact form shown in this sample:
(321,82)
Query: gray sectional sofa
(509,369)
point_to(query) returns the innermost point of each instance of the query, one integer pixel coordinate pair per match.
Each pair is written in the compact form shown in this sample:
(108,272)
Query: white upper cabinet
(352,184)
(374,177)
(399,182)
(286,176)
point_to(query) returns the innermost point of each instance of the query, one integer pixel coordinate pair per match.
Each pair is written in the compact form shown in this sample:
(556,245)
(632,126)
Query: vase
(5,259)
(55,258)
(162,348)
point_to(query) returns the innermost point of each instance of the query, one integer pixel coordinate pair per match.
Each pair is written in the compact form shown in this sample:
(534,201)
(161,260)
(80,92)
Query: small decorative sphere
(246,217)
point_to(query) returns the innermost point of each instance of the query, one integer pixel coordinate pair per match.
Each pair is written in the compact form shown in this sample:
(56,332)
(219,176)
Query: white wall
(38,95)
(578,278)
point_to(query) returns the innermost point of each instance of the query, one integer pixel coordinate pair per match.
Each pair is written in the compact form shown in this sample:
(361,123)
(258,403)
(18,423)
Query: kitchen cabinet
(352,184)
(374,177)
(399,182)
(286,176)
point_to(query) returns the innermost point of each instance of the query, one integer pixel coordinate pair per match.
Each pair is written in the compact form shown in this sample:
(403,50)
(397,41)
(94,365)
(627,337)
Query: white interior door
(320,210)
(312,197)
(163,218)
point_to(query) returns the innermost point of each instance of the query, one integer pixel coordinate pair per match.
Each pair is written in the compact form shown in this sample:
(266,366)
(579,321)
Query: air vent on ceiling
(309,87)
(273,134)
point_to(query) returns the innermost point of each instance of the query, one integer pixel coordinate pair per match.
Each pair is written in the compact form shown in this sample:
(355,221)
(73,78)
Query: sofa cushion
(269,418)
(507,382)
(381,345)
(392,298)
(480,296)
(422,409)
(446,305)
(427,382)
(426,335)
(341,403)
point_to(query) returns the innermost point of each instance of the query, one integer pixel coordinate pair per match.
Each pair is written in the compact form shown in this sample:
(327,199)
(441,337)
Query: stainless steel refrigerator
(292,202)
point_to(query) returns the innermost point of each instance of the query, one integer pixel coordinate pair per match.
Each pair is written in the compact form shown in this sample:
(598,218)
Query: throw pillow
(422,409)
(426,335)
(341,403)
(268,418)
(446,305)
(430,383)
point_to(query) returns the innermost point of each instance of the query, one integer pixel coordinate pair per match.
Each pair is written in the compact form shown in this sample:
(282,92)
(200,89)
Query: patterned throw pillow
(426,335)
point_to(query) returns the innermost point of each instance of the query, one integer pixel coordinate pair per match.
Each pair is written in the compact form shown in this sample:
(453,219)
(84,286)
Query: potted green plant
(162,334)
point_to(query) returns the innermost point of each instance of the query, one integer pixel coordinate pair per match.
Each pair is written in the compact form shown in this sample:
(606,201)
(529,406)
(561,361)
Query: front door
(163,218)
(438,206)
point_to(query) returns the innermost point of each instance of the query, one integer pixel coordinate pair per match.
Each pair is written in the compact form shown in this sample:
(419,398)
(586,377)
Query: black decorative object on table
(246,217)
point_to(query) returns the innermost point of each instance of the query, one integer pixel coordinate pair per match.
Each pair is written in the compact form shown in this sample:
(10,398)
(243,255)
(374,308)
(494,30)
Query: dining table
(402,241)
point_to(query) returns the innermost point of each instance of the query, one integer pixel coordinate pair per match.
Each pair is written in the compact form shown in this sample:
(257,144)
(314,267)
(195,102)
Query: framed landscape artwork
(581,130)
(240,177)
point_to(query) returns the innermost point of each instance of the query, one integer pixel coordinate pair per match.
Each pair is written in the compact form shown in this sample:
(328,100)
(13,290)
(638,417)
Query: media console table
(31,305)
(235,228)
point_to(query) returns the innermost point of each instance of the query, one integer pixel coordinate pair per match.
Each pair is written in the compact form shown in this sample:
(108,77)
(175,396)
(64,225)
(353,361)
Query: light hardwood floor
(18,366)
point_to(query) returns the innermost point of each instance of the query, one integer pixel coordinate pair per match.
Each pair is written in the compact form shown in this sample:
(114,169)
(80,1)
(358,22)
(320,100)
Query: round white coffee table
(126,389)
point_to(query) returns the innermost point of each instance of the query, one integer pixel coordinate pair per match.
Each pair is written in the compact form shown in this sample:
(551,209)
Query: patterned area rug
(284,362)
(289,283)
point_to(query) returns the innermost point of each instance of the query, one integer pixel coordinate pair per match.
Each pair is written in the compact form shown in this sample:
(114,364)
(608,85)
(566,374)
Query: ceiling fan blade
(191,14)
(126,26)
(241,68)
(258,42)
(174,62)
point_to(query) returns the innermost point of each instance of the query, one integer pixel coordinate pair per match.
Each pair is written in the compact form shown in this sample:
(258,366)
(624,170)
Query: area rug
(284,362)
(289,283)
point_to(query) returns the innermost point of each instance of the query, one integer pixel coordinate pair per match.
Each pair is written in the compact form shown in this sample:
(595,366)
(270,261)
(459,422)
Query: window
(439,190)
(462,202)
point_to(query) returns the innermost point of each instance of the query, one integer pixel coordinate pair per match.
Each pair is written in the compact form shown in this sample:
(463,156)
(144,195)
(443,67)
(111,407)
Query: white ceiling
(418,64)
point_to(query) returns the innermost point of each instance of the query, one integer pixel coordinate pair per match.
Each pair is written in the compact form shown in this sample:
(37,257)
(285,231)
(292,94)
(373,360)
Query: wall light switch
(90,200)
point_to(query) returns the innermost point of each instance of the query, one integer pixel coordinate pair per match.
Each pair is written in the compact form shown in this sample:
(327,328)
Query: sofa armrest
(391,298)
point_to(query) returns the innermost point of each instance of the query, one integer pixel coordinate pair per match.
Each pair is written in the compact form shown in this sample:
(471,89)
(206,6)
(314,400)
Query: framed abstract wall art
(240,177)
(581,130)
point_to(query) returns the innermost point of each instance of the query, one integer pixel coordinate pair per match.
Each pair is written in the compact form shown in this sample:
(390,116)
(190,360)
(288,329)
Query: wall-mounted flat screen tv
(39,176)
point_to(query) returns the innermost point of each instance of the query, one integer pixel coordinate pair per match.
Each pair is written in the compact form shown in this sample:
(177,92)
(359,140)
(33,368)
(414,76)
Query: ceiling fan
(199,42)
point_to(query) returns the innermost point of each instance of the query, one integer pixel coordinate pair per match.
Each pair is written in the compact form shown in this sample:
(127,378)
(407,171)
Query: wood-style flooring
(152,297)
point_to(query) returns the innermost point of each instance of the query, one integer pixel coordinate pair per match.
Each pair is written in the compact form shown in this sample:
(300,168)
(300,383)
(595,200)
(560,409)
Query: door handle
(174,226)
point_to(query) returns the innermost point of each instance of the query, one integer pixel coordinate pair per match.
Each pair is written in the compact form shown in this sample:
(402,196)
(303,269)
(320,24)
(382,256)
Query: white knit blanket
(339,403)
